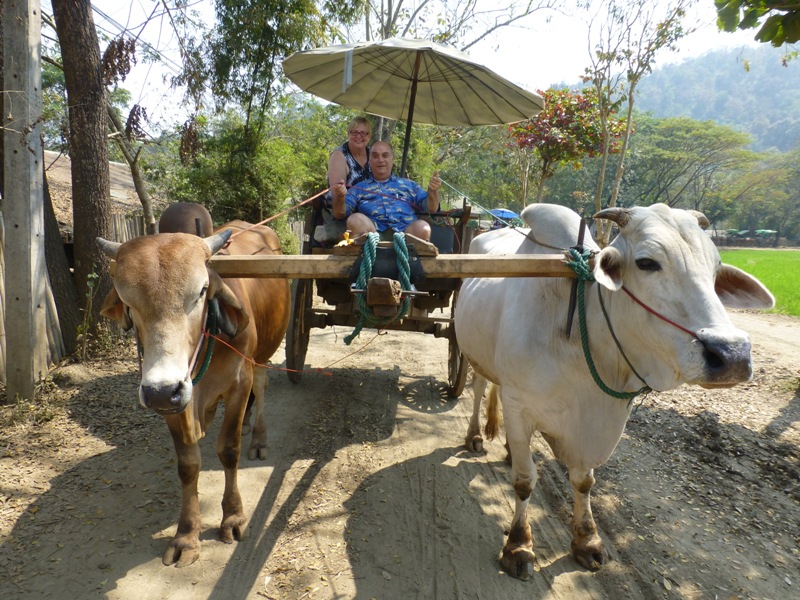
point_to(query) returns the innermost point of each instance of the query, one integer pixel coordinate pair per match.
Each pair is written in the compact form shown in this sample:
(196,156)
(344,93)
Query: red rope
(652,312)
(323,370)
(273,217)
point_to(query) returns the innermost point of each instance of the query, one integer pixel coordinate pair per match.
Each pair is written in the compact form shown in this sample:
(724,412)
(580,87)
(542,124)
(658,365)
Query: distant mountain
(748,89)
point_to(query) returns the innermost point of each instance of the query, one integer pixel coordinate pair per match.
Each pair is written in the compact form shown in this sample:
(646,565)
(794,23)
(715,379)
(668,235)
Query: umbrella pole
(413,99)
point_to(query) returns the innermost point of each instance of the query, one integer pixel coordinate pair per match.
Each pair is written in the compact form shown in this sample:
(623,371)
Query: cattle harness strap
(208,334)
(366,316)
(580,264)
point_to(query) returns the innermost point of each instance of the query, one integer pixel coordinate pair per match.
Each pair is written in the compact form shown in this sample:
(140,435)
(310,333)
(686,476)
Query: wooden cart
(328,272)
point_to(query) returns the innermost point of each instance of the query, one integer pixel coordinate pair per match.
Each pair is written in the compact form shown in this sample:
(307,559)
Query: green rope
(366,317)
(580,264)
(211,327)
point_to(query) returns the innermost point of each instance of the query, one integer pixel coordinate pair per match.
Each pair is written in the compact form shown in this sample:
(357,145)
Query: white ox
(513,334)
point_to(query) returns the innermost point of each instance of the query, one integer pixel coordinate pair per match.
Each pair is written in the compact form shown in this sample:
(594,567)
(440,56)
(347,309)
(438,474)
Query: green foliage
(752,89)
(778,22)
(778,270)
(241,58)
(254,173)
(85,328)
(479,163)
(680,162)
(55,125)
(766,195)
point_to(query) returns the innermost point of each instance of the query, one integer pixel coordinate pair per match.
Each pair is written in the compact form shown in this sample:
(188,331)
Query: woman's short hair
(359,121)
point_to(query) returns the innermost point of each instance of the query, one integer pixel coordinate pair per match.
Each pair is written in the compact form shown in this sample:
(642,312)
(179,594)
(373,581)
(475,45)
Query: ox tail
(492,411)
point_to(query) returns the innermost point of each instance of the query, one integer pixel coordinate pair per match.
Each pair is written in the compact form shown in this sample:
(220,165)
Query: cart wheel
(298,332)
(457,365)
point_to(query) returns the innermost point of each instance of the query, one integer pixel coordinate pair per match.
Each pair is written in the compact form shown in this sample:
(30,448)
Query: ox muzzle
(727,357)
(166,398)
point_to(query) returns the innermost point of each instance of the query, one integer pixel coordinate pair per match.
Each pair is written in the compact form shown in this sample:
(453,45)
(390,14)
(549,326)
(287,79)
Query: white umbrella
(411,80)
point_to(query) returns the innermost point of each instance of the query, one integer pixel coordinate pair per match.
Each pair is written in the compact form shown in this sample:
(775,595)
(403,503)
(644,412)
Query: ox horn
(702,220)
(110,249)
(218,240)
(620,216)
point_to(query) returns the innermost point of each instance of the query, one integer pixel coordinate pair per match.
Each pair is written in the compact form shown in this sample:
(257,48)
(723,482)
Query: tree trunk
(88,126)
(61,281)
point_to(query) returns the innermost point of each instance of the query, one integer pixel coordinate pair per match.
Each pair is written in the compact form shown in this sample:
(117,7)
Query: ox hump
(555,225)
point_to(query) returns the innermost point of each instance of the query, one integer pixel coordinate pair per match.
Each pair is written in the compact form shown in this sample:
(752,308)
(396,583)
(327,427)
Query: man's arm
(433,192)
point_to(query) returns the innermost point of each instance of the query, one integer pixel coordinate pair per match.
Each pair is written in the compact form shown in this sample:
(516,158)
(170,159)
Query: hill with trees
(753,89)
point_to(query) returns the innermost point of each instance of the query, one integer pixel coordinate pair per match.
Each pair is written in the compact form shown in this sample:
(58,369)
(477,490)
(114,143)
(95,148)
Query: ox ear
(110,249)
(702,220)
(608,268)
(113,308)
(231,316)
(737,289)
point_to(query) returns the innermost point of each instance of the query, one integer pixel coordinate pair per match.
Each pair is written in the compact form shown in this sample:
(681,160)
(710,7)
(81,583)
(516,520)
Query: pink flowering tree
(564,133)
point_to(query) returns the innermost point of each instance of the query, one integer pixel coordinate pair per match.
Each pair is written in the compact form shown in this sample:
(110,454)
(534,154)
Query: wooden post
(23,208)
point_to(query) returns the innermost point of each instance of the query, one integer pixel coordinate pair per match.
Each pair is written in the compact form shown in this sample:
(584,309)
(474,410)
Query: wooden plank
(444,266)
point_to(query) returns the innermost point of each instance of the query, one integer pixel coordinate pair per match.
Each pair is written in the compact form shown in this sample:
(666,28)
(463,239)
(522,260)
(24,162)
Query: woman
(349,162)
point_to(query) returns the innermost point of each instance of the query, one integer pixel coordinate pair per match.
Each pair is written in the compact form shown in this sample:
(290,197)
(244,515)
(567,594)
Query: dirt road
(368,492)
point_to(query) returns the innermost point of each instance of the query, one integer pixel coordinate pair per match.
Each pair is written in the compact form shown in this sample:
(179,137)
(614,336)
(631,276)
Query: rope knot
(366,316)
(580,263)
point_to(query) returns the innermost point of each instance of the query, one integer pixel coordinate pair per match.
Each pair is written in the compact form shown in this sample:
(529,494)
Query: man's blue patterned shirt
(393,203)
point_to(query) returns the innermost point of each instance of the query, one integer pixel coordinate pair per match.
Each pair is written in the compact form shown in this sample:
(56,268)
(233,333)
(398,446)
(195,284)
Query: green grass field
(779,270)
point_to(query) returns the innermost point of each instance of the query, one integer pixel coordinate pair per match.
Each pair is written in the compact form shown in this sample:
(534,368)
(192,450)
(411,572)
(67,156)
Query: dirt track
(368,492)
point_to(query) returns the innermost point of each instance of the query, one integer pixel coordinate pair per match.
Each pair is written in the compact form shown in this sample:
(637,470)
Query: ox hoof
(591,555)
(474,443)
(182,551)
(257,452)
(518,562)
(246,429)
(233,528)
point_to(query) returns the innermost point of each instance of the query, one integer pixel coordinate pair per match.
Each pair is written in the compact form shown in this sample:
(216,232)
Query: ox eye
(203,293)
(647,264)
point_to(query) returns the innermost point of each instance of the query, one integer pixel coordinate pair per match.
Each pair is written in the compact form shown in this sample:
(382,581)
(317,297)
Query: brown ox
(163,287)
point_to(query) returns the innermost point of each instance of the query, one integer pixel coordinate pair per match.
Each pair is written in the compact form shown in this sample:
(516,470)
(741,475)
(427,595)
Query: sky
(534,56)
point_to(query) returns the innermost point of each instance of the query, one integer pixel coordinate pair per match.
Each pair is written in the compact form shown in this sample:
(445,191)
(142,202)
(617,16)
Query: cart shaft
(444,266)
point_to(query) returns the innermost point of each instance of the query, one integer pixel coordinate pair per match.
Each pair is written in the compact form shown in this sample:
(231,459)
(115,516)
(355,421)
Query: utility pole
(23,206)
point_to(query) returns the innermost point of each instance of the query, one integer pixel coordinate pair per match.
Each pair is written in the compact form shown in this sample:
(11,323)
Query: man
(385,202)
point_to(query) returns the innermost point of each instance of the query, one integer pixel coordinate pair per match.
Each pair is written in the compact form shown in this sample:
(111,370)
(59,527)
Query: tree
(462,24)
(479,163)
(779,22)
(767,194)
(631,34)
(682,162)
(88,127)
(241,57)
(567,130)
